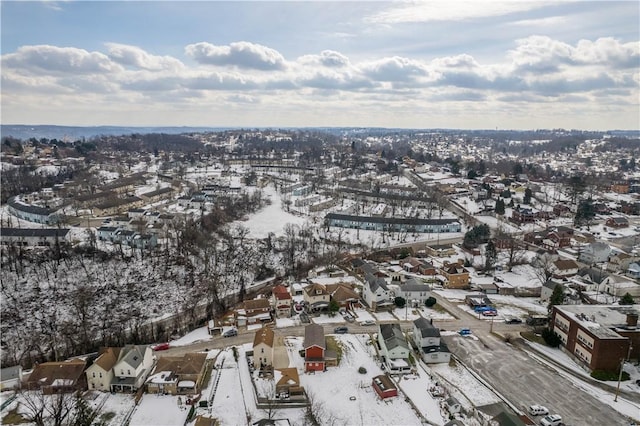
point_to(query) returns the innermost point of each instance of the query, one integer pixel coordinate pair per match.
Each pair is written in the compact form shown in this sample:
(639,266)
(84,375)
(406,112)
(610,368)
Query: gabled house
(288,385)
(314,348)
(317,296)
(344,295)
(133,366)
(263,347)
(58,377)
(376,292)
(456,275)
(394,347)
(426,337)
(620,262)
(414,292)
(617,222)
(281,301)
(564,268)
(596,252)
(100,373)
(257,310)
(178,375)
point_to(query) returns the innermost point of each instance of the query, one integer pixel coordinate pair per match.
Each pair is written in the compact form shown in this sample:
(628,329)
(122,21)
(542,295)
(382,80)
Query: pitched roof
(108,358)
(566,264)
(344,293)
(34,232)
(314,336)
(133,354)
(392,335)
(191,363)
(264,335)
(289,377)
(47,373)
(427,329)
(256,304)
(414,285)
(316,289)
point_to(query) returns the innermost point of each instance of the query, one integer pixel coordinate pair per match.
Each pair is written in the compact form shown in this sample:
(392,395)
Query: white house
(427,339)
(133,366)
(42,237)
(414,292)
(376,292)
(263,347)
(100,373)
(595,253)
(394,347)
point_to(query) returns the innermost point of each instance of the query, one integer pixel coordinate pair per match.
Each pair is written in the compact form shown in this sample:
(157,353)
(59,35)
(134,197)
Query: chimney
(632,320)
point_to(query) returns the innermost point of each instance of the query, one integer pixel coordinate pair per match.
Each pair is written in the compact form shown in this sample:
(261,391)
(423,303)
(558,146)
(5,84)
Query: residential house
(414,292)
(384,386)
(314,348)
(133,366)
(32,213)
(263,342)
(620,187)
(344,295)
(376,292)
(257,311)
(281,301)
(564,268)
(100,373)
(440,250)
(394,347)
(106,233)
(617,222)
(634,270)
(58,377)
(288,385)
(598,336)
(393,224)
(456,275)
(34,237)
(11,378)
(426,338)
(618,286)
(157,195)
(620,262)
(178,375)
(547,289)
(596,252)
(317,296)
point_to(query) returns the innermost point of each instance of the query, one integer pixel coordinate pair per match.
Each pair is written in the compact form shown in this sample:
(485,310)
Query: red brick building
(314,348)
(598,336)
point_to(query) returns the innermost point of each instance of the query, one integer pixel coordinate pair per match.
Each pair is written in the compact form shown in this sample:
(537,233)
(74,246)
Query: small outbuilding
(384,387)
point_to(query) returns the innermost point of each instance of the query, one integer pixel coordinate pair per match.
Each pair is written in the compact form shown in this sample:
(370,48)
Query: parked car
(368,322)
(464,332)
(341,330)
(513,320)
(551,420)
(538,410)
(489,313)
(230,332)
(161,347)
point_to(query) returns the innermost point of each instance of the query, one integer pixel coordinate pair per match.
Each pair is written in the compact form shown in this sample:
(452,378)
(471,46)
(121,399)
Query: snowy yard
(160,410)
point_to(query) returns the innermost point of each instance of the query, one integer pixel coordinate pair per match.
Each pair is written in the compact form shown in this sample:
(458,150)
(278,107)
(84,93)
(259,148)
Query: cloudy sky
(452,64)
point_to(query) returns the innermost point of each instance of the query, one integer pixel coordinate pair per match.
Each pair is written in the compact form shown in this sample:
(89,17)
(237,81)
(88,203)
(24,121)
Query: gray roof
(27,208)
(426,328)
(414,285)
(314,336)
(34,232)
(11,373)
(393,336)
(375,282)
(133,354)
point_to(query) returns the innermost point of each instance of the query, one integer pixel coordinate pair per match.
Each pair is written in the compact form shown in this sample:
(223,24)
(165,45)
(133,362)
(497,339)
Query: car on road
(341,330)
(464,332)
(538,410)
(161,347)
(551,420)
(230,332)
(489,313)
(513,320)
(368,322)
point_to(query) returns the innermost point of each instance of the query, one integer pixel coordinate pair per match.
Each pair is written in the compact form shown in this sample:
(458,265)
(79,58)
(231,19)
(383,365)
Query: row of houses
(392,224)
(119,369)
(34,237)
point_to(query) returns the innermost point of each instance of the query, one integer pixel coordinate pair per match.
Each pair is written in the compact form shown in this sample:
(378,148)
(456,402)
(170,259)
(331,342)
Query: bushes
(609,376)
(552,339)
(431,301)
(362,370)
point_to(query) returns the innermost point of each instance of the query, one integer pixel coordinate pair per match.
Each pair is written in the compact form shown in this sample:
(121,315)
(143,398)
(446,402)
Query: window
(101,375)
(262,350)
(94,374)
(128,371)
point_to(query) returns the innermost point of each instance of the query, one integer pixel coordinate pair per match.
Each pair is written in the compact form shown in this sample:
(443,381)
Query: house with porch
(178,375)
(281,301)
(394,347)
(317,296)
(132,368)
(415,292)
(263,347)
(376,292)
(100,373)
(314,348)
(596,252)
(426,338)
(58,377)
(257,311)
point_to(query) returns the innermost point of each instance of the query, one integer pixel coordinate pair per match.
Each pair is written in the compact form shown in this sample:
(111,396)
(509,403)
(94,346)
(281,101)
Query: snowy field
(160,410)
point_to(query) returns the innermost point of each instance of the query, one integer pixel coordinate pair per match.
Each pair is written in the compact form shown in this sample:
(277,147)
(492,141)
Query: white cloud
(395,69)
(137,57)
(419,11)
(45,59)
(241,54)
(327,58)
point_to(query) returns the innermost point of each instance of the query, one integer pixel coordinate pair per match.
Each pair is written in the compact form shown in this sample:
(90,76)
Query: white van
(538,410)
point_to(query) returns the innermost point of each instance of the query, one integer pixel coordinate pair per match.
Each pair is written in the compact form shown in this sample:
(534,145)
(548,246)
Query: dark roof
(392,335)
(390,220)
(314,336)
(34,232)
(414,285)
(28,208)
(157,192)
(426,328)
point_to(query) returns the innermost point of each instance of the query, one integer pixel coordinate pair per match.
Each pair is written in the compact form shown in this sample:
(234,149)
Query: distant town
(329,276)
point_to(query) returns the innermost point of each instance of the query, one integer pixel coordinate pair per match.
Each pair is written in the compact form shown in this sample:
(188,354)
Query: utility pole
(620,374)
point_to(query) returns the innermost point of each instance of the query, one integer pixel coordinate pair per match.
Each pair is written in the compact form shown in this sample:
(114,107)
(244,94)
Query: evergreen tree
(557,297)
(527,196)
(584,214)
(490,255)
(627,299)
(500,206)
